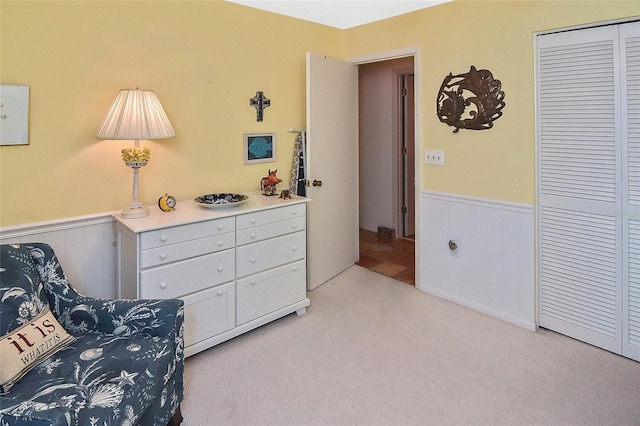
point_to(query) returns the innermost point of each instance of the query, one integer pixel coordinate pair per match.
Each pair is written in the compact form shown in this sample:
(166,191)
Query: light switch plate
(434,158)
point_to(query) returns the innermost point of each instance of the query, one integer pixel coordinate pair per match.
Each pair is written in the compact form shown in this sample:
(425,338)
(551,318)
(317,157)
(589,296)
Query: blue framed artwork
(259,148)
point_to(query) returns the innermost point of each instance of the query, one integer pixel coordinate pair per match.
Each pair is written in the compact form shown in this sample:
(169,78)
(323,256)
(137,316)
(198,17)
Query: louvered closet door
(630,212)
(579,165)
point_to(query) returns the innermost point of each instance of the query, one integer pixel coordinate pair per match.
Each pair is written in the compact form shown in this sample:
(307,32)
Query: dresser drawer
(185,250)
(264,217)
(209,312)
(257,257)
(269,291)
(179,234)
(187,276)
(259,233)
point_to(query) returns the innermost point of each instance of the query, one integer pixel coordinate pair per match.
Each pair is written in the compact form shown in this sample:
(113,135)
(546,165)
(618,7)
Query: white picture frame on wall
(14,114)
(259,148)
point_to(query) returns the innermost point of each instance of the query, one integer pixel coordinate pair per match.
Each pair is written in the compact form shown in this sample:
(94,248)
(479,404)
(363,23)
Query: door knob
(317,183)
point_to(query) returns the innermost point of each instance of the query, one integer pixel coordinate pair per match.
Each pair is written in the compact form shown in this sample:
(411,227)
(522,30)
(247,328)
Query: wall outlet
(454,247)
(434,158)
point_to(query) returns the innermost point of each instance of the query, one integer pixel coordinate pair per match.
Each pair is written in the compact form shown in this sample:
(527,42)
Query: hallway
(394,258)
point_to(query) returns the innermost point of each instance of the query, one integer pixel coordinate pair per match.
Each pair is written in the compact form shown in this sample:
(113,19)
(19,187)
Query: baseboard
(529,325)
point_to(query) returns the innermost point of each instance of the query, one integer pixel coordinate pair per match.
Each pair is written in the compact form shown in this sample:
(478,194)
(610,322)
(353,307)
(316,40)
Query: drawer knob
(253,236)
(220,243)
(253,260)
(220,269)
(163,285)
(220,227)
(163,256)
(219,293)
(163,238)
(253,282)
(253,221)
(294,248)
(295,268)
(295,212)
(295,225)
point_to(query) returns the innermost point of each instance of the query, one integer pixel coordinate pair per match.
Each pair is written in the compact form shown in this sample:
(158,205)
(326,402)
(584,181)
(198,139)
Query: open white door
(332,167)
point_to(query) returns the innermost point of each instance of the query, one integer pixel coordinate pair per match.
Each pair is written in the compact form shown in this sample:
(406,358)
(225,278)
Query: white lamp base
(135,212)
(136,209)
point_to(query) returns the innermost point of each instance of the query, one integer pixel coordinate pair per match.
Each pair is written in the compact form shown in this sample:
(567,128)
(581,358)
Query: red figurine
(268,183)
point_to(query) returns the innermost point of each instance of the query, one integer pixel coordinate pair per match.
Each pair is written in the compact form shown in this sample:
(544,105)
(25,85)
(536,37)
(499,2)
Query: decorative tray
(221,200)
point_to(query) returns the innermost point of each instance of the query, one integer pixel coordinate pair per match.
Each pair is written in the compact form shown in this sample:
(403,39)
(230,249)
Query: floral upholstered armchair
(67,359)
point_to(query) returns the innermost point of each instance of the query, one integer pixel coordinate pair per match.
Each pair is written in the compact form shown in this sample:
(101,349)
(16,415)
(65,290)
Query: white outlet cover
(433,157)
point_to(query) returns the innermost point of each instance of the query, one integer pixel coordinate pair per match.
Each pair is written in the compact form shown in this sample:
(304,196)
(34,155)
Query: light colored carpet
(375,351)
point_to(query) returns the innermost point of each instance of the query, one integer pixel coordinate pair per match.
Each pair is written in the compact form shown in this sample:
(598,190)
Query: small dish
(221,200)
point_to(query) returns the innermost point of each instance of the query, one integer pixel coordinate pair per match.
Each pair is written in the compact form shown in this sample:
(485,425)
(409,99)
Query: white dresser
(235,268)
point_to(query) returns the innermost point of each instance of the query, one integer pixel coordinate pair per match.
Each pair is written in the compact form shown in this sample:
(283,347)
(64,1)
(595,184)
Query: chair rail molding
(493,271)
(492,268)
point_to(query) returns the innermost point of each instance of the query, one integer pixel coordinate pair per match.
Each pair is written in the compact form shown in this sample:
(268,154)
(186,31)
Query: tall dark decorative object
(259,102)
(458,92)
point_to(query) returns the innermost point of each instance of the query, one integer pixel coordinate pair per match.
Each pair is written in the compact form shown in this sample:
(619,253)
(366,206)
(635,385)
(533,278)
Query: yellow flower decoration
(136,154)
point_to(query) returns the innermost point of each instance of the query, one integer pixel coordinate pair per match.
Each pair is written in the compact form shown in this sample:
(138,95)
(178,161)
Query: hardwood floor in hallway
(394,258)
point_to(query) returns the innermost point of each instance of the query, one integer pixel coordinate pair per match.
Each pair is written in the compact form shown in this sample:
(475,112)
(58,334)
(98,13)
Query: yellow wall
(205,59)
(496,35)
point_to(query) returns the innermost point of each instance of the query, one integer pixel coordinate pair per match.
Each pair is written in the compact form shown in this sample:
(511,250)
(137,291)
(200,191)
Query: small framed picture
(14,114)
(259,148)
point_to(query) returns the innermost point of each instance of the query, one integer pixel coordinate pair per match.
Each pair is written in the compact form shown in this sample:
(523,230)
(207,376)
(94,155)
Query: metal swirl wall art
(473,100)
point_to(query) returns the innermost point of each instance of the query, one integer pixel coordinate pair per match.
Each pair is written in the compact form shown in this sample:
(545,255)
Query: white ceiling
(341,14)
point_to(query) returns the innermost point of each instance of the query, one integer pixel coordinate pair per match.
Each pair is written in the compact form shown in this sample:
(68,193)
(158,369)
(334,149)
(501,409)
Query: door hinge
(404,150)
(404,92)
(404,209)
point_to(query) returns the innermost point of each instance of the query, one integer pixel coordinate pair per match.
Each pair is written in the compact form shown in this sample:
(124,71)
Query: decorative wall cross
(259,102)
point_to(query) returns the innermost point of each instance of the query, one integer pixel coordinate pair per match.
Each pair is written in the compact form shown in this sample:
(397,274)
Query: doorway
(387,167)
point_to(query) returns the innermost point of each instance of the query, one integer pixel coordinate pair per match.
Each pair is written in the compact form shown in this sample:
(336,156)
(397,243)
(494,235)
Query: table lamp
(134,115)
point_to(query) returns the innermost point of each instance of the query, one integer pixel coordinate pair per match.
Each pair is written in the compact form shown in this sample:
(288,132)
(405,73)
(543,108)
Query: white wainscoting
(84,245)
(495,270)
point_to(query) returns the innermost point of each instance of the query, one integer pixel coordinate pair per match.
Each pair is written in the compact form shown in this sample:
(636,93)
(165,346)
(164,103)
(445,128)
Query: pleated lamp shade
(136,114)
